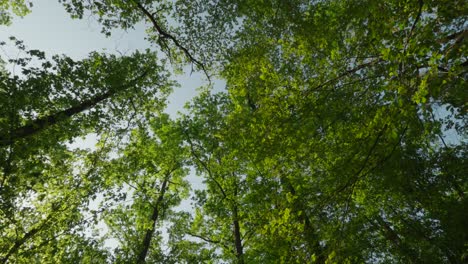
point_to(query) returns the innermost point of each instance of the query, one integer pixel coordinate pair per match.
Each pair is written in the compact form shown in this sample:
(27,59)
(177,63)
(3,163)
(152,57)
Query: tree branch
(344,74)
(165,34)
(217,242)
(204,165)
(416,20)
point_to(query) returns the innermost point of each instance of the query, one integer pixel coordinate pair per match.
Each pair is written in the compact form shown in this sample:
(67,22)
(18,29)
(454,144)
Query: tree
(219,217)
(45,187)
(144,185)
(242,211)
(125,14)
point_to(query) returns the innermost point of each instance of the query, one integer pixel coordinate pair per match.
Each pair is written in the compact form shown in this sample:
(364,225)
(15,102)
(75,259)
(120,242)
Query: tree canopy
(340,136)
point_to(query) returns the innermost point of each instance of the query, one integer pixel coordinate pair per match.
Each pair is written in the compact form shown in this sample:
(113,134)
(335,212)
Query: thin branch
(418,17)
(455,36)
(166,35)
(204,238)
(18,243)
(31,233)
(205,166)
(344,74)
(212,241)
(364,164)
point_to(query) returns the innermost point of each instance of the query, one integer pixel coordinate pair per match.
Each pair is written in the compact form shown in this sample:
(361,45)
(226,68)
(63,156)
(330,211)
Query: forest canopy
(339,137)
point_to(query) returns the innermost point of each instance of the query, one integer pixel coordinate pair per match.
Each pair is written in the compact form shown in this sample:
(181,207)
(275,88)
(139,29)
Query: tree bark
(154,219)
(237,237)
(40,124)
(309,231)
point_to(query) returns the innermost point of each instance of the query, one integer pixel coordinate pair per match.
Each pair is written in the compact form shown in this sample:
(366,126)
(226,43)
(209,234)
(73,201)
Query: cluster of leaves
(17,7)
(327,146)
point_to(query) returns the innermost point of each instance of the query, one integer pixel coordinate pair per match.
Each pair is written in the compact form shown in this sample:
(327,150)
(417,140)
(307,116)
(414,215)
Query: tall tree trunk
(236,229)
(309,231)
(42,123)
(154,219)
(237,237)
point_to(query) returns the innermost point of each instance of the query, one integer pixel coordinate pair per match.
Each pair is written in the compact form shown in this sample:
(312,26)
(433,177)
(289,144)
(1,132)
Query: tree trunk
(237,237)
(154,219)
(42,123)
(309,232)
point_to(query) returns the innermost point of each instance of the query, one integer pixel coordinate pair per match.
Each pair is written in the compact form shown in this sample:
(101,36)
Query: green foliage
(340,138)
(45,186)
(17,7)
(142,188)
